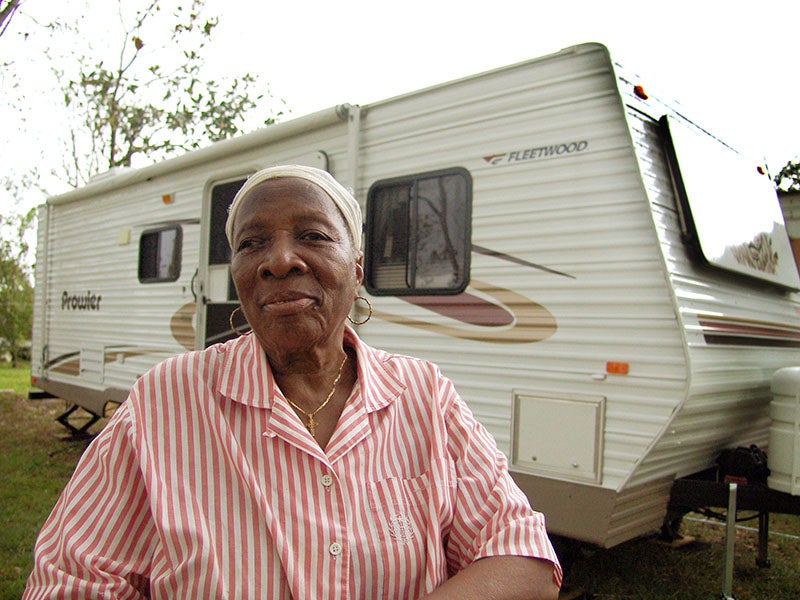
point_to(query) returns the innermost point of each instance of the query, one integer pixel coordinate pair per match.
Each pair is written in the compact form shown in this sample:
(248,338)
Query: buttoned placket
(291,431)
(329,483)
(285,425)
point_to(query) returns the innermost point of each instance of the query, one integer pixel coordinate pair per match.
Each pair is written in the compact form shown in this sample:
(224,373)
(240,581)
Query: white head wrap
(343,199)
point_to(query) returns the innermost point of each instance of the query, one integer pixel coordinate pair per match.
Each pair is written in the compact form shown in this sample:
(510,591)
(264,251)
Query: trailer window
(160,254)
(418,234)
(729,212)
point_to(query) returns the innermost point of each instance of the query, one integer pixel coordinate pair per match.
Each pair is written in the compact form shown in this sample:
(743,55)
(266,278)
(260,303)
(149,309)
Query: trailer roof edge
(264,135)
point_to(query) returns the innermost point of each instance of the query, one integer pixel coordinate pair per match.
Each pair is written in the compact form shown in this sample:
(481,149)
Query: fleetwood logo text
(539,152)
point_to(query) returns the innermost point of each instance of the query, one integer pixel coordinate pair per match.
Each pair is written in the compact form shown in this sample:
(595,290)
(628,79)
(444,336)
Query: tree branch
(6,12)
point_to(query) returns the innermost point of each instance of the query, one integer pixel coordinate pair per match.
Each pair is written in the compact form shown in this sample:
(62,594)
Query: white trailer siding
(582,214)
(727,388)
(607,218)
(105,327)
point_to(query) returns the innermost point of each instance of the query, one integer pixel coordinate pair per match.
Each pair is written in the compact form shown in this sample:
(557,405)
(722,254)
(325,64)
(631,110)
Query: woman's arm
(497,545)
(98,539)
(501,578)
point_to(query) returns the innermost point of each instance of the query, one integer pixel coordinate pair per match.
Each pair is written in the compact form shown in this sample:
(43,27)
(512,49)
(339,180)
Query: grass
(646,568)
(37,458)
(18,380)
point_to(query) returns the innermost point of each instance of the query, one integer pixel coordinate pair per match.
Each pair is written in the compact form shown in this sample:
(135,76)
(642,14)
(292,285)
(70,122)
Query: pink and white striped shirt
(206,484)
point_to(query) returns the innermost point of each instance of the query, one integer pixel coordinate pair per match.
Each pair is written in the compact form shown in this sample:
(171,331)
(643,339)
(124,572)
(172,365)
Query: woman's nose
(281,259)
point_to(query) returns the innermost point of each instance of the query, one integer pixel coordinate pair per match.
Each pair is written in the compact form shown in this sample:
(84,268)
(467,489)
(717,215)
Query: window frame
(412,234)
(176,263)
(711,180)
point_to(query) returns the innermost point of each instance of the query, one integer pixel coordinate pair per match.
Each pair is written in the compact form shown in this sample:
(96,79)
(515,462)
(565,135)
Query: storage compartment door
(558,436)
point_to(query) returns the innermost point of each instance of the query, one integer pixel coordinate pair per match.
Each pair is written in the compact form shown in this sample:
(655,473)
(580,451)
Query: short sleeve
(492,515)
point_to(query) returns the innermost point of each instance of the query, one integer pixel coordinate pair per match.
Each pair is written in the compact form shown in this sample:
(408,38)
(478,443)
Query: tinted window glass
(219,253)
(160,255)
(418,234)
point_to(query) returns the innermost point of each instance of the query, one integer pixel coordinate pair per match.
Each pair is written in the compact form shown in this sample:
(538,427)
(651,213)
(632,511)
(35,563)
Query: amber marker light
(617,368)
(640,93)
(166,198)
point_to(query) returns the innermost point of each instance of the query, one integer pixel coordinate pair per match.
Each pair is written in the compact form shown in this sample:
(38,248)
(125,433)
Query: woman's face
(294,265)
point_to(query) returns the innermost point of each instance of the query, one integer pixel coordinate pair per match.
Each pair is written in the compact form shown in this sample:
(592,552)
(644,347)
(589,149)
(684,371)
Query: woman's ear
(359,270)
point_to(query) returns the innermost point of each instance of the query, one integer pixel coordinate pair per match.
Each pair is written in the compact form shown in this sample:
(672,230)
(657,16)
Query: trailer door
(218,299)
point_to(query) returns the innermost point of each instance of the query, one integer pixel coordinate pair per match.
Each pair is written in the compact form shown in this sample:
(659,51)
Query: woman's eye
(245,244)
(314,236)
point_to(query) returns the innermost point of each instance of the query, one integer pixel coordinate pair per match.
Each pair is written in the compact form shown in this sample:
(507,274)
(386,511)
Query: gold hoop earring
(369,313)
(230,320)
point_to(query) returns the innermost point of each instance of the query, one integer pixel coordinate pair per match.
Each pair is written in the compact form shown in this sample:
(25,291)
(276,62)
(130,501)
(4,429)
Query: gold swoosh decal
(180,325)
(532,322)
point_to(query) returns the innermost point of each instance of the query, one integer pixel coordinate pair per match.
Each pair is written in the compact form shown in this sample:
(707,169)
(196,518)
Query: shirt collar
(246,377)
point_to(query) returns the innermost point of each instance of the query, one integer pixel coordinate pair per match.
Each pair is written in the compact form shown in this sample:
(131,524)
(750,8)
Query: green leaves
(16,287)
(151,101)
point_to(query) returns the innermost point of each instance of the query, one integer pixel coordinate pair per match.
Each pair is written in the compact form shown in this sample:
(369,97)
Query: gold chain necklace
(310,415)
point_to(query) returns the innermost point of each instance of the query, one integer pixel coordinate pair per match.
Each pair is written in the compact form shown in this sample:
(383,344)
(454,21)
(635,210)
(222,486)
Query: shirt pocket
(407,553)
(400,507)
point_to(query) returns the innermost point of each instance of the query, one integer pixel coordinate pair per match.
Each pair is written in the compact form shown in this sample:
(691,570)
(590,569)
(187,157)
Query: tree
(150,100)
(16,290)
(788,178)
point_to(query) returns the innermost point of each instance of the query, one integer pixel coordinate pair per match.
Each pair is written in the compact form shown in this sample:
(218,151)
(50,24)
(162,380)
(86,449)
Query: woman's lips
(287,306)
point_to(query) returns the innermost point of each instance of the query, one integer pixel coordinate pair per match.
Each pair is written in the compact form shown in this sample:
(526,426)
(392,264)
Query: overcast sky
(731,64)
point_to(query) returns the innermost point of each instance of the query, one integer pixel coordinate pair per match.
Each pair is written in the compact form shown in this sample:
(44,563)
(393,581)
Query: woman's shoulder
(188,366)
(407,362)
(397,362)
(399,371)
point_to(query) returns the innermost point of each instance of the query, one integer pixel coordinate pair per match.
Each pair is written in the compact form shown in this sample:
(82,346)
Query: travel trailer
(610,287)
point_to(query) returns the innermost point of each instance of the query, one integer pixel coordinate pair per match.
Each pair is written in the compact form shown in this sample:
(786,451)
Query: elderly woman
(295,461)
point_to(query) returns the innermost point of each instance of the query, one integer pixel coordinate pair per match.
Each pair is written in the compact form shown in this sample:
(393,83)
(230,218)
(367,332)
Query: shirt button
(335,549)
(327,480)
